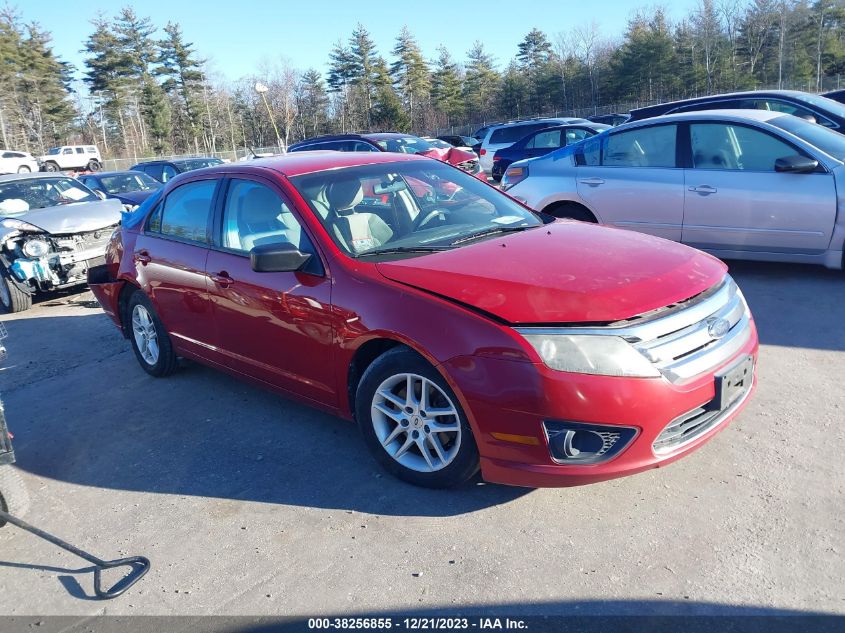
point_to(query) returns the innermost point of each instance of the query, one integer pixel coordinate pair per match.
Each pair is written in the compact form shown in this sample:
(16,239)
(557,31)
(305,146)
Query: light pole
(261,89)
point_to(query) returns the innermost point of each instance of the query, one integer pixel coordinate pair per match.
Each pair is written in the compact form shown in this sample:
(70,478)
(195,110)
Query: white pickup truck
(71,158)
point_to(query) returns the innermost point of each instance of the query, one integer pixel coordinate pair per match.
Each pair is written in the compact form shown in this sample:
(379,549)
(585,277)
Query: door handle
(593,182)
(143,257)
(222,279)
(704,189)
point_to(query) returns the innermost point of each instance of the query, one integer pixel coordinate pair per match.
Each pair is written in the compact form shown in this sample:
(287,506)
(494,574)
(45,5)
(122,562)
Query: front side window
(641,147)
(80,150)
(186,211)
(574,135)
(774,105)
(735,147)
(403,209)
(128,182)
(404,145)
(167,172)
(67,150)
(545,140)
(255,215)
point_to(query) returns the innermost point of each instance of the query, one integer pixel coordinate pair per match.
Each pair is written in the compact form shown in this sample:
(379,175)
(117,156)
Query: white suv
(12,162)
(71,158)
(506,134)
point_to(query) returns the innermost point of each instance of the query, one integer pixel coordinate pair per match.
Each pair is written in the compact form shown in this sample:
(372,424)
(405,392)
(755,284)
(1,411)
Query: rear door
(170,256)
(631,179)
(735,200)
(274,326)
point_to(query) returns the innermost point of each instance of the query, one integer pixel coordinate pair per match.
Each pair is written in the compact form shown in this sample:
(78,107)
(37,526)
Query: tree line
(148,91)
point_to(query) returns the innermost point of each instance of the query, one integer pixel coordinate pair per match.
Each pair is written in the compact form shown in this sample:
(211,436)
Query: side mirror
(277,258)
(99,194)
(796,164)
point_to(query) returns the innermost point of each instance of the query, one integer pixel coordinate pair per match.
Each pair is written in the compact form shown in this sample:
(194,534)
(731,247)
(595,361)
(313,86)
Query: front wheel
(51,166)
(13,296)
(24,169)
(93,165)
(412,422)
(150,341)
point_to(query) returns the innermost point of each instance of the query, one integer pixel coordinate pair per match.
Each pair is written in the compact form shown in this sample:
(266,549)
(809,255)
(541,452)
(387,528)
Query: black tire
(24,169)
(461,467)
(570,210)
(14,497)
(14,297)
(93,165)
(165,361)
(51,166)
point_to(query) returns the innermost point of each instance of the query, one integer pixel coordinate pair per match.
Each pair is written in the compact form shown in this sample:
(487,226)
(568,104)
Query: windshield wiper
(404,249)
(495,231)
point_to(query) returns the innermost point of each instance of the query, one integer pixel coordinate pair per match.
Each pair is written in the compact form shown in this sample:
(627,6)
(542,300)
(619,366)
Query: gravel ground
(247,503)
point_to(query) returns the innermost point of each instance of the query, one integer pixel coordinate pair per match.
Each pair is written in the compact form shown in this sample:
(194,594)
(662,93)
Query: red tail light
(495,158)
(482,152)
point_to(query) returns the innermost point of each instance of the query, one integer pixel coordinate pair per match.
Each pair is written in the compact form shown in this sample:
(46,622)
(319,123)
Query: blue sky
(236,36)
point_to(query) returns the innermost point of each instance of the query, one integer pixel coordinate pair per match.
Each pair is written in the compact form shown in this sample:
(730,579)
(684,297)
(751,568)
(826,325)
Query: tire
(51,166)
(14,497)
(570,210)
(14,297)
(399,436)
(149,339)
(24,169)
(93,165)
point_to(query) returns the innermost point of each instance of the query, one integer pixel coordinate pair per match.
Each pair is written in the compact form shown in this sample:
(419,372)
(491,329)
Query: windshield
(127,183)
(20,196)
(404,145)
(197,163)
(828,105)
(830,142)
(408,206)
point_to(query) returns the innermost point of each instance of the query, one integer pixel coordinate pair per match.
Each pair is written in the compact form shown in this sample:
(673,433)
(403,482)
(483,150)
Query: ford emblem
(718,328)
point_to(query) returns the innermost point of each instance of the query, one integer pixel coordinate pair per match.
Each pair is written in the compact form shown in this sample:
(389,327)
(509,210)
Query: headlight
(18,225)
(591,354)
(129,208)
(514,174)
(36,247)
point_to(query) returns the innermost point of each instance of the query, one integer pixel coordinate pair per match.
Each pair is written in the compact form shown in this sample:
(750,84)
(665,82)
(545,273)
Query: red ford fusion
(459,330)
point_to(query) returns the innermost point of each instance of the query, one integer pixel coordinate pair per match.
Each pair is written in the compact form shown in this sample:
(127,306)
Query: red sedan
(459,329)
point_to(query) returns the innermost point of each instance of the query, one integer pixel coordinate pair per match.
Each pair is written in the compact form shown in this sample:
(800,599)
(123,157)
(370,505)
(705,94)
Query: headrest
(343,195)
(259,204)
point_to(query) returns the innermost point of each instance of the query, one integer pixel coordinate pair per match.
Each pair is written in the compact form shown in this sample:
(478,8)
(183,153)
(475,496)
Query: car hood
(134,197)
(453,155)
(76,217)
(564,272)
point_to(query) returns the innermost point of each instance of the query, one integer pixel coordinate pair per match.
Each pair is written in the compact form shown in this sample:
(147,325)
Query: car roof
(110,173)
(306,162)
(383,136)
(31,176)
(732,114)
(796,94)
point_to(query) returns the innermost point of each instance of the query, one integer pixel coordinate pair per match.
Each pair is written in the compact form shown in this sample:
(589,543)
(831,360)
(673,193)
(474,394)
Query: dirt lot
(249,504)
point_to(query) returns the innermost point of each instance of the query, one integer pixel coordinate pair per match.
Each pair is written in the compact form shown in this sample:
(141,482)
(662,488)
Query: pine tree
(482,81)
(156,112)
(534,57)
(446,85)
(313,103)
(363,69)
(388,113)
(411,75)
(183,82)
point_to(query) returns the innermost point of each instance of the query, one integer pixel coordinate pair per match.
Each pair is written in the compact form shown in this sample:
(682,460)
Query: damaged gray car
(52,230)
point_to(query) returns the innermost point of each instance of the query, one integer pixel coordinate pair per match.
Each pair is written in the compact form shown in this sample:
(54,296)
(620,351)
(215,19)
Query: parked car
(460,330)
(164,170)
(130,187)
(13,162)
(501,136)
(52,229)
(71,158)
(814,108)
(391,142)
(456,140)
(745,184)
(541,142)
(609,119)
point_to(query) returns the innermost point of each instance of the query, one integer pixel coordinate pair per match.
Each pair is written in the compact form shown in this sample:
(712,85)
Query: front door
(630,179)
(274,326)
(170,255)
(736,201)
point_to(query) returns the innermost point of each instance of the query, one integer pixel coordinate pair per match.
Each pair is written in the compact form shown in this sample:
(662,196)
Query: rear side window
(185,212)
(735,148)
(642,147)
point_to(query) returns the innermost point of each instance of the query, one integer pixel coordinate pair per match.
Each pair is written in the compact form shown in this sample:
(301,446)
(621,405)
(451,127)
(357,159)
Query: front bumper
(511,399)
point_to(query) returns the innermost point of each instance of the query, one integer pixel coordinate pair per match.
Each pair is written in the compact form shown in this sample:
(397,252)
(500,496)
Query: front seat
(359,232)
(261,220)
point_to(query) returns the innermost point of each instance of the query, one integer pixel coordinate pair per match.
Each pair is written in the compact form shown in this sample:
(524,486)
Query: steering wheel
(424,218)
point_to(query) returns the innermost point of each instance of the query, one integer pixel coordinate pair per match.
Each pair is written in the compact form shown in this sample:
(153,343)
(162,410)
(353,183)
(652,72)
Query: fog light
(579,443)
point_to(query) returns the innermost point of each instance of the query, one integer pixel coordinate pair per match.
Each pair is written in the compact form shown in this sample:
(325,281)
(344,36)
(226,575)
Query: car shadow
(794,305)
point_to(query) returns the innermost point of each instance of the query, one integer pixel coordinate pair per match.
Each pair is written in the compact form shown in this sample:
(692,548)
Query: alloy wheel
(416,422)
(144,331)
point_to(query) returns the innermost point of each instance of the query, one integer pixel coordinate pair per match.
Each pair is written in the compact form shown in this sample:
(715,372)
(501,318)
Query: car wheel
(13,296)
(24,169)
(570,210)
(93,165)
(150,341)
(14,497)
(51,166)
(412,422)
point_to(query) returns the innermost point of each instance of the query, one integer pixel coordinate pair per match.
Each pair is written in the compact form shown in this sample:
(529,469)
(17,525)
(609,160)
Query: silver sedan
(741,184)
